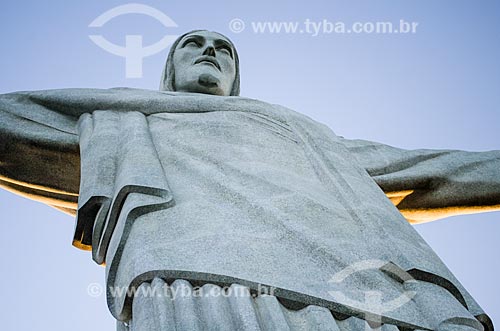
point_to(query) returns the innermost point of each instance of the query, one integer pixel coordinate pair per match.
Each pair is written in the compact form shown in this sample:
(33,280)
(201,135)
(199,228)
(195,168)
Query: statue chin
(209,84)
(208,80)
(205,84)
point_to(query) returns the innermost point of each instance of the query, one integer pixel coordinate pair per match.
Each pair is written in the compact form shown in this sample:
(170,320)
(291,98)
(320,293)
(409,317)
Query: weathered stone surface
(219,189)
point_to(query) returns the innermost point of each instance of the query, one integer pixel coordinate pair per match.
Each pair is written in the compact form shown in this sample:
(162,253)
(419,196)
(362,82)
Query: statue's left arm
(426,184)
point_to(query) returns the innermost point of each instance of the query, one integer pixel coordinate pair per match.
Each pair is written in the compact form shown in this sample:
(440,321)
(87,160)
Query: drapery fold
(122,177)
(118,157)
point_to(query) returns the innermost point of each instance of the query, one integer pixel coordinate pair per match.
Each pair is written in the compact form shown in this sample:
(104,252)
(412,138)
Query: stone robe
(229,190)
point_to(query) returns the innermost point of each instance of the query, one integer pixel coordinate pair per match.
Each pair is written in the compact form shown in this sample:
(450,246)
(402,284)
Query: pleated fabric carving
(182,307)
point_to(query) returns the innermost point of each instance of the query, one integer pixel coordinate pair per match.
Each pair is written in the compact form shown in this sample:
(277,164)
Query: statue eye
(192,43)
(225,50)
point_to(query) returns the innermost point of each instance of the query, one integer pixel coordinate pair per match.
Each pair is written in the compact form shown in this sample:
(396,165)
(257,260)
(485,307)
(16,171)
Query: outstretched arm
(426,184)
(39,152)
(39,156)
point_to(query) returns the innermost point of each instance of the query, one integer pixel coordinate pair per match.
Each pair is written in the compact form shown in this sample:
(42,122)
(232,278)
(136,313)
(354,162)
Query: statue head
(202,61)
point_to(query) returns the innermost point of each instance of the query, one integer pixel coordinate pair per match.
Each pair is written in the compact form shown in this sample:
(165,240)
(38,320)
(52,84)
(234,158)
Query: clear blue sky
(438,88)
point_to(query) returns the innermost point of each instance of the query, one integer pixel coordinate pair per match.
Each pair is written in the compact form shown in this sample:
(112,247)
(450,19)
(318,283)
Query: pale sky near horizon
(437,88)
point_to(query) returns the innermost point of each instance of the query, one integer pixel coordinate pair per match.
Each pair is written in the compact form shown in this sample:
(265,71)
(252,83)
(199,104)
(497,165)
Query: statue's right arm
(39,153)
(39,146)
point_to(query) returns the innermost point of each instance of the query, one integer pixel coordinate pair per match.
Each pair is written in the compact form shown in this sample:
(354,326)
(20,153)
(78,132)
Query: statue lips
(208,59)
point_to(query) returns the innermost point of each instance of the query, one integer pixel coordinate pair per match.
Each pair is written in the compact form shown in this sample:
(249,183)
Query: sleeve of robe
(39,153)
(42,134)
(427,184)
(39,145)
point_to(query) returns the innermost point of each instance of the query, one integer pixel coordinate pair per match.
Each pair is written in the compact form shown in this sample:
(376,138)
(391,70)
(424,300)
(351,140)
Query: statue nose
(210,51)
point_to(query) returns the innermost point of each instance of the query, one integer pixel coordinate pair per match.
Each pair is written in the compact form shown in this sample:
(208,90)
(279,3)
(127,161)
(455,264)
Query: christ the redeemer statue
(217,212)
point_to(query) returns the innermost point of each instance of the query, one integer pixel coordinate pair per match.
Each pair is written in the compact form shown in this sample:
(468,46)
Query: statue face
(204,63)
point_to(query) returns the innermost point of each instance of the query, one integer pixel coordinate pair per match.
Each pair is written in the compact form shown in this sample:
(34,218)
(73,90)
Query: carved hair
(168,76)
